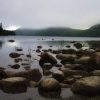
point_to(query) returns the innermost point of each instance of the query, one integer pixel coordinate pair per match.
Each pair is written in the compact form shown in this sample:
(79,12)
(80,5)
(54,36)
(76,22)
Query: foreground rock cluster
(76,69)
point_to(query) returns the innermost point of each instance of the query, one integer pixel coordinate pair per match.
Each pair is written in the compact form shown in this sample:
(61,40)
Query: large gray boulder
(87,86)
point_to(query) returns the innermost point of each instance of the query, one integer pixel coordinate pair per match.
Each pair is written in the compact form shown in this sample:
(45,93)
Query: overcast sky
(50,13)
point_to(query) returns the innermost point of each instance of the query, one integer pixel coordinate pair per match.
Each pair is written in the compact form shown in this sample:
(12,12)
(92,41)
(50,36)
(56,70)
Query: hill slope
(94,31)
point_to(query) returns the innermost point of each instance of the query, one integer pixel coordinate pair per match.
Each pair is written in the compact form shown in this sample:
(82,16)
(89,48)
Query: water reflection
(14,90)
(13,44)
(51,95)
(1,43)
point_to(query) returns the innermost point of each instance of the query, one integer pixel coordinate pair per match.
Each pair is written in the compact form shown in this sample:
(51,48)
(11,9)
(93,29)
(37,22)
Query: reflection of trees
(1,44)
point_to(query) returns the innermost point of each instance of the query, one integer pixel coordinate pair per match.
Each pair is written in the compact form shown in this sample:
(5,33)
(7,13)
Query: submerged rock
(38,50)
(78,45)
(18,49)
(39,47)
(18,60)
(47,58)
(16,66)
(11,40)
(14,55)
(49,85)
(87,86)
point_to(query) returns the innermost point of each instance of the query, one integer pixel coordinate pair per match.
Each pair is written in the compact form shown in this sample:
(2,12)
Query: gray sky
(50,13)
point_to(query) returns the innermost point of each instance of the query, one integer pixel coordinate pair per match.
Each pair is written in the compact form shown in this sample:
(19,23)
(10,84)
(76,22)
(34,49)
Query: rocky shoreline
(77,69)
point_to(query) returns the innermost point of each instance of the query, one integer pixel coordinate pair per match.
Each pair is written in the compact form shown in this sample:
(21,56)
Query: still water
(29,45)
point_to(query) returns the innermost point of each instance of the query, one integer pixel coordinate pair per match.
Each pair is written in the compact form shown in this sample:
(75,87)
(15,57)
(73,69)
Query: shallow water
(29,44)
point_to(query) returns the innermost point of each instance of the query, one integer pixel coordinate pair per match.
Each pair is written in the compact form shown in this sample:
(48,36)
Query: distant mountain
(93,31)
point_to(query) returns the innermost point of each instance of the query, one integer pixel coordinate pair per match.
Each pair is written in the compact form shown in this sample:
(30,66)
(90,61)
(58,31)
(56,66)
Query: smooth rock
(47,58)
(89,86)
(58,75)
(49,85)
(65,56)
(14,85)
(33,74)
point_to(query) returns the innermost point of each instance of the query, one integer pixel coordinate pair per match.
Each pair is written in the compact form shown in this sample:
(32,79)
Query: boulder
(56,51)
(3,74)
(95,73)
(68,72)
(83,60)
(39,47)
(67,60)
(58,75)
(47,58)
(97,58)
(78,45)
(38,50)
(33,74)
(68,46)
(65,56)
(11,40)
(68,51)
(49,85)
(14,55)
(18,60)
(16,66)
(18,49)
(89,86)
(14,84)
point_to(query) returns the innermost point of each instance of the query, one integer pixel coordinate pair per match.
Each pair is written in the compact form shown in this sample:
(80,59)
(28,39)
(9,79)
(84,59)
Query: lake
(29,45)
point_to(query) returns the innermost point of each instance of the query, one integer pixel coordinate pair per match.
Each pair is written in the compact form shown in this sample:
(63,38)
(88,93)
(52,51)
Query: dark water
(29,44)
